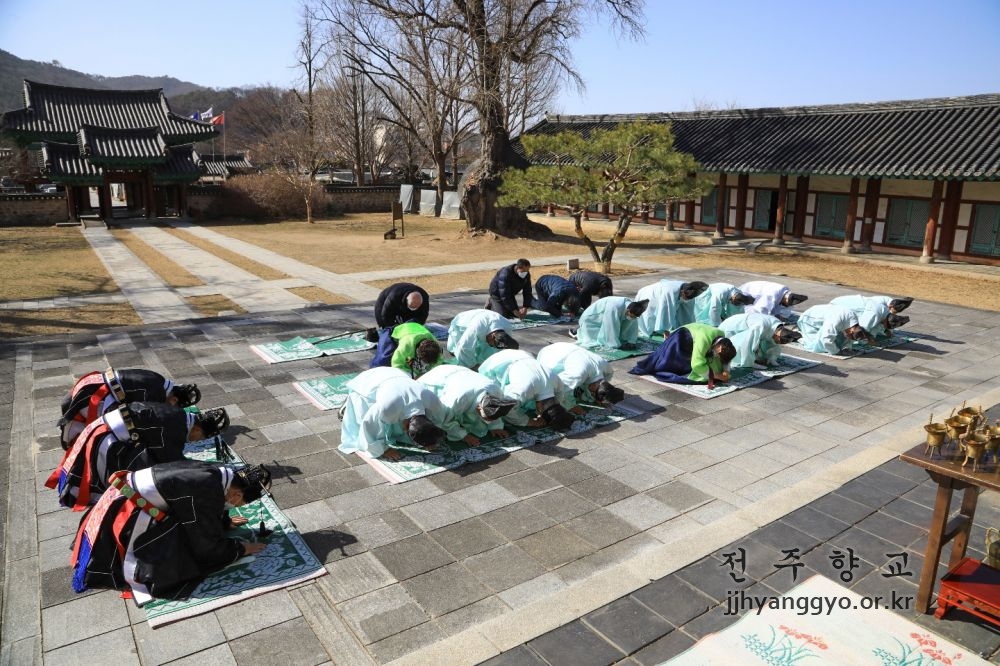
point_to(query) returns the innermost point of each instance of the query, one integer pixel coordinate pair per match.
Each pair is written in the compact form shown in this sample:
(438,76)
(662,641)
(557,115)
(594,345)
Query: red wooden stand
(973,587)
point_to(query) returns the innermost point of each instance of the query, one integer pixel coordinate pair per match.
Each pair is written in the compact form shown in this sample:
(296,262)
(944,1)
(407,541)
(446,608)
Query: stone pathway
(463,566)
(149,296)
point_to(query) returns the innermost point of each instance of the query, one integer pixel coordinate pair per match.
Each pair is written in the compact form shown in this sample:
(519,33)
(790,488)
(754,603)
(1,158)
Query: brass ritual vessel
(937,433)
(975,445)
(978,441)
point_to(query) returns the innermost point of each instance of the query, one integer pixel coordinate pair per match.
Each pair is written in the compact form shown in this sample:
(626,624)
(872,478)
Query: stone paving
(466,565)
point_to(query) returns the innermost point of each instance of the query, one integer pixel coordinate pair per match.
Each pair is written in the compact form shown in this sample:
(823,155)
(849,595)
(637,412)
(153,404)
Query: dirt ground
(480,280)
(97,317)
(938,286)
(46,262)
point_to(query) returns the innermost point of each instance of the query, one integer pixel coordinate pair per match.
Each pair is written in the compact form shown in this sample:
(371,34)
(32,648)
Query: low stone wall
(36,210)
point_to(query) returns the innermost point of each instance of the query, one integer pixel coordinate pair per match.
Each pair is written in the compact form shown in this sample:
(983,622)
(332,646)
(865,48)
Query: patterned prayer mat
(326,392)
(790,630)
(299,348)
(741,378)
(643,347)
(418,463)
(860,348)
(538,318)
(285,561)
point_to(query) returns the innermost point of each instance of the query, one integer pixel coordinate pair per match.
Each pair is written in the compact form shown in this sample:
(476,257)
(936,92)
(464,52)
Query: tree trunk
(624,220)
(441,163)
(578,227)
(309,207)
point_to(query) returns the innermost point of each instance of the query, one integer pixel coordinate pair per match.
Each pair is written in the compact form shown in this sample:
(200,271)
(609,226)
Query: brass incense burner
(937,434)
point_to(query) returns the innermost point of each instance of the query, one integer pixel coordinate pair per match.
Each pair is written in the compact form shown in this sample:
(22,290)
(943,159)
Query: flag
(207,115)
(219,119)
(196,116)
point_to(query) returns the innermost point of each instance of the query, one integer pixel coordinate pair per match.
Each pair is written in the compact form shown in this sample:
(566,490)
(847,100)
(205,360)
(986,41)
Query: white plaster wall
(981,191)
(830,184)
(961,236)
(964,215)
(765,181)
(907,188)
(750,199)
(811,205)
(883,208)
(879,236)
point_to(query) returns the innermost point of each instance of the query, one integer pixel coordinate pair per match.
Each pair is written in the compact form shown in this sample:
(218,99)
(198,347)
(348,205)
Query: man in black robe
(97,392)
(171,521)
(508,282)
(131,437)
(591,284)
(401,302)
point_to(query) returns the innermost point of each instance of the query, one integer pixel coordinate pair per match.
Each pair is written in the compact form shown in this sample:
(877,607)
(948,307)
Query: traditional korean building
(219,168)
(89,138)
(917,177)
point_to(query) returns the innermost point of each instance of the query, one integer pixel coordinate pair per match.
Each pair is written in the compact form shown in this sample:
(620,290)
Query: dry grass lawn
(354,244)
(97,317)
(46,262)
(923,284)
(319,295)
(213,304)
(172,273)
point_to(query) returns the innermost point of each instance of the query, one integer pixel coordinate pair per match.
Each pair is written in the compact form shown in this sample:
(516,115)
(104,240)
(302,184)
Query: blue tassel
(80,571)
(62,481)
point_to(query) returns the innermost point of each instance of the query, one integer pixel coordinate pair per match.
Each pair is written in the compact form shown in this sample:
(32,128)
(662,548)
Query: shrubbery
(260,197)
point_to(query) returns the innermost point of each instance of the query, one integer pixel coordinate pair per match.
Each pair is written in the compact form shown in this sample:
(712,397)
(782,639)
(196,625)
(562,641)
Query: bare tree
(498,32)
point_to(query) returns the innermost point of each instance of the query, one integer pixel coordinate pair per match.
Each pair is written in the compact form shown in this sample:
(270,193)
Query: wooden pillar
(182,200)
(71,202)
(644,213)
(104,198)
(689,214)
(742,185)
(949,219)
(606,210)
(779,222)
(721,208)
(668,217)
(930,233)
(148,195)
(852,216)
(873,190)
(801,203)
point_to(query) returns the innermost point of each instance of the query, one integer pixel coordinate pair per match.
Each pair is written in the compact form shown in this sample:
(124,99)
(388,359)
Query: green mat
(538,318)
(299,348)
(285,561)
(741,378)
(643,347)
(417,463)
(858,348)
(327,392)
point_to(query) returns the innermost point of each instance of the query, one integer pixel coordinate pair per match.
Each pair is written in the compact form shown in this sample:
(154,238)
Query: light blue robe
(823,326)
(666,310)
(467,335)
(460,391)
(712,307)
(752,334)
(380,399)
(767,298)
(605,324)
(872,311)
(573,367)
(522,378)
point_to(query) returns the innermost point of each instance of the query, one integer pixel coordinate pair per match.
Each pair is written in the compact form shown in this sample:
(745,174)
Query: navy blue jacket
(552,293)
(590,283)
(505,286)
(391,310)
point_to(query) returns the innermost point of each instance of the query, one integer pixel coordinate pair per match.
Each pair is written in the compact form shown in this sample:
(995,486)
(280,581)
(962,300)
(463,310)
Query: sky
(718,54)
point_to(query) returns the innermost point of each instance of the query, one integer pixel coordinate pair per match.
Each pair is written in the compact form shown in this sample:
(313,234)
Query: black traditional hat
(255,479)
(424,433)
(186,394)
(503,340)
(691,290)
(212,421)
(739,298)
(556,416)
(895,321)
(607,393)
(494,408)
(900,304)
(786,334)
(636,308)
(791,299)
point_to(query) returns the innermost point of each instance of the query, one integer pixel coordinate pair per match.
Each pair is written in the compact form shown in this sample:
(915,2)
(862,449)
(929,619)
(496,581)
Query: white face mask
(522,274)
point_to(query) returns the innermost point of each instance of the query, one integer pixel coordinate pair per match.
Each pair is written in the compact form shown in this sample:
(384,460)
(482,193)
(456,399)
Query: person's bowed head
(605,393)
(738,298)
(208,423)
(690,290)
(791,300)
(784,335)
(428,354)
(183,395)
(897,305)
(858,333)
(724,350)
(501,339)
(553,415)
(248,485)
(894,321)
(572,305)
(490,409)
(634,310)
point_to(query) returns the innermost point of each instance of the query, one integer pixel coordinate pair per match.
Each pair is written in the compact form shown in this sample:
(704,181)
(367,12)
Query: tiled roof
(63,163)
(224,166)
(945,138)
(55,113)
(115,147)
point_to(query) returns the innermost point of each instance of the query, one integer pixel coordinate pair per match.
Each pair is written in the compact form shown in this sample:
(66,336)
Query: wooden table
(948,473)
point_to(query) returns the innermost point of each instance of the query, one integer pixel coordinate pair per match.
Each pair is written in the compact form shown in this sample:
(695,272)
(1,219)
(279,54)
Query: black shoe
(371,334)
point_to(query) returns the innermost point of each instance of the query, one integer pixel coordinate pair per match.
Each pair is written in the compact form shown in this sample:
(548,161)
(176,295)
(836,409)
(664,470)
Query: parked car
(48,188)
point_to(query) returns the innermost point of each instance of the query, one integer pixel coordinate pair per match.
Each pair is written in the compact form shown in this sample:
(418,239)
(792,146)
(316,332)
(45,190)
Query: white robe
(767,298)
(467,335)
(380,399)
(460,391)
(522,378)
(573,367)
(713,306)
(752,334)
(871,311)
(823,326)
(666,311)
(605,324)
